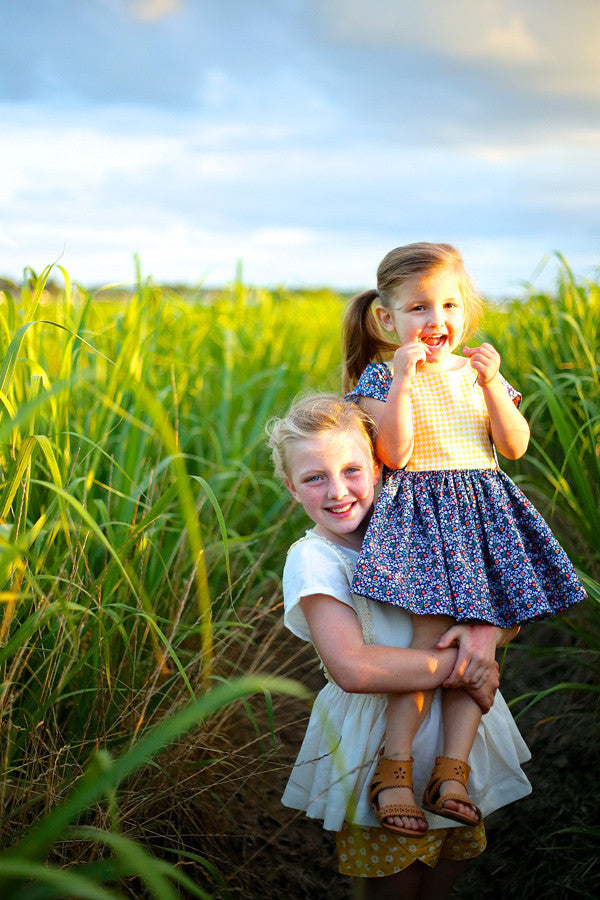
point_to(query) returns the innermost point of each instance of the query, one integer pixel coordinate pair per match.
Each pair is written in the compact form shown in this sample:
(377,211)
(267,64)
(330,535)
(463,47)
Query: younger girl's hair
(309,416)
(363,340)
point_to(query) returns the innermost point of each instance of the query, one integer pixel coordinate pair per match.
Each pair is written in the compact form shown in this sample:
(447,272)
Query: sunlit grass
(142,534)
(131,508)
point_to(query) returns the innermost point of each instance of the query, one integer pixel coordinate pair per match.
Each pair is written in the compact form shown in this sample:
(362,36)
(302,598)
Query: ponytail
(362,340)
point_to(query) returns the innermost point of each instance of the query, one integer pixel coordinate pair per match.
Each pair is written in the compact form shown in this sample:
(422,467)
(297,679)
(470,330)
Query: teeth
(340,509)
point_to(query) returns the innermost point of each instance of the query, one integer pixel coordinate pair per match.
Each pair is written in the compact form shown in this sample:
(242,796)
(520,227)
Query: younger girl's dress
(451,534)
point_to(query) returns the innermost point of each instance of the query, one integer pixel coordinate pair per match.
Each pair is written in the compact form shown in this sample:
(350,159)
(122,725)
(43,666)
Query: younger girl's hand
(485,360)
(407,357)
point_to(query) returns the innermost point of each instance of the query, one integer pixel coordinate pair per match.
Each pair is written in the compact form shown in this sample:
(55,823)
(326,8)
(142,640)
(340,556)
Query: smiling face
(333,475)
(430,310)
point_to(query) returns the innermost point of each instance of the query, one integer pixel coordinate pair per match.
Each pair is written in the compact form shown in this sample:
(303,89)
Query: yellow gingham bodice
(451,423)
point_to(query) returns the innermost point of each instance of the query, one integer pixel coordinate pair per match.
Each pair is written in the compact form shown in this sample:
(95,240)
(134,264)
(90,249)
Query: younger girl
(322,449)
(452,538)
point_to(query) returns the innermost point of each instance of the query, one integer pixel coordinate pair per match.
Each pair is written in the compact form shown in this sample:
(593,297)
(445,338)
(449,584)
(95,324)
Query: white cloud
(153,10)
(197,137)
(41,159)
(507,42)
(191,200)
(548,43)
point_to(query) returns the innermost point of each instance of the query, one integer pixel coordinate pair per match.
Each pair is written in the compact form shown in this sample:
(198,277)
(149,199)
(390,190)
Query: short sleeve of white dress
(314,567)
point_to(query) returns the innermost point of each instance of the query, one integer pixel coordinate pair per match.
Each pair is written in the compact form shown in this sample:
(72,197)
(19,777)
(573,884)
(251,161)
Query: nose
(436,316)
(336,487)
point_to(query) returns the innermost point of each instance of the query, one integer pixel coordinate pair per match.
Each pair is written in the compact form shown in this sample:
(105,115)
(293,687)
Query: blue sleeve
(374,382)
(514,395)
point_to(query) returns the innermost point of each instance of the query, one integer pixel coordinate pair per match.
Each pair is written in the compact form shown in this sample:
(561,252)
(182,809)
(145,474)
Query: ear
(384,317)
(376,470)
(290,488)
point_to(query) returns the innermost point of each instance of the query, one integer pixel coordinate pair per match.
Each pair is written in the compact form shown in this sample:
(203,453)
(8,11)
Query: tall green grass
(550,349)
(549,345)
(131,509)
(142,536)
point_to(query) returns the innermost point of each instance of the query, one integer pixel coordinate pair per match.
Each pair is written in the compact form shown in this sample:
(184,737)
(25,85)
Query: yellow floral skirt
(376,852)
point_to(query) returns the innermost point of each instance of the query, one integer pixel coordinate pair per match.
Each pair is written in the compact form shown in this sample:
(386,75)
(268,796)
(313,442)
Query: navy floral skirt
(464,543)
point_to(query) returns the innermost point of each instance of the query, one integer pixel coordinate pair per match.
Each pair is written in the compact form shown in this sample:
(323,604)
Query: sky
(305,138)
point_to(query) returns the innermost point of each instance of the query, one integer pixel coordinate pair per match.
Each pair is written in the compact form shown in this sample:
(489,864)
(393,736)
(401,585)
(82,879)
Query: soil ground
(263,850)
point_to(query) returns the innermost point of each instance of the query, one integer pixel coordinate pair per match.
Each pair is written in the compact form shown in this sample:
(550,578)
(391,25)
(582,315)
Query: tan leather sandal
(448,769)
(394,773)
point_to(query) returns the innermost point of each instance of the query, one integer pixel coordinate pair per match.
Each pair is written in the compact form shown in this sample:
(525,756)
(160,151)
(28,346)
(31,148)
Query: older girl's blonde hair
(363,341)
(310,416)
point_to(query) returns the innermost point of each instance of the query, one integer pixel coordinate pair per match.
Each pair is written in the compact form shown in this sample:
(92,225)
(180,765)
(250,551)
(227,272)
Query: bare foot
(458,789)
(402,796)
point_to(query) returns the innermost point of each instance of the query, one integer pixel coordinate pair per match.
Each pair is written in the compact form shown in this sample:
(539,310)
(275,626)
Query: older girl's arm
(369,668)
(362,668)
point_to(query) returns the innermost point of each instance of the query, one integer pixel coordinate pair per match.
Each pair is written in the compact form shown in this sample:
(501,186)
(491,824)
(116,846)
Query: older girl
(322,449)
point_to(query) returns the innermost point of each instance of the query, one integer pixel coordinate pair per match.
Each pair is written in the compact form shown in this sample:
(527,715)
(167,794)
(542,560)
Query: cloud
(464,29)
(549,44)
(161,53)
(153,10)
(191,199)
(307,138)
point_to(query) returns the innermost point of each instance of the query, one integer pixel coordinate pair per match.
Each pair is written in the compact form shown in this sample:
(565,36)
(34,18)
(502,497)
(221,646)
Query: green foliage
(130,429)
(23,862)
(549,347)
(140,526)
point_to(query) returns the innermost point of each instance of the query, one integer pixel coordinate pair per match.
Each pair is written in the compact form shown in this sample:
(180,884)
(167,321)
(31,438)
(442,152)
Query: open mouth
(435,341)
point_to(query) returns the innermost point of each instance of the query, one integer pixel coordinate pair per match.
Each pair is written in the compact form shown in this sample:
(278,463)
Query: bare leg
(405,712)
(404,715)
(461,715)
(403,885)
(417,882)
(437,884)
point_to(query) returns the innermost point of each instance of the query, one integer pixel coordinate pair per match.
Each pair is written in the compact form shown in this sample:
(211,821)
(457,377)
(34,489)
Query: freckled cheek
(314,493)
(364,489)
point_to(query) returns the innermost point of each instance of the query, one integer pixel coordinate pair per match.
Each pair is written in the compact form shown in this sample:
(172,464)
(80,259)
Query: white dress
(331,775)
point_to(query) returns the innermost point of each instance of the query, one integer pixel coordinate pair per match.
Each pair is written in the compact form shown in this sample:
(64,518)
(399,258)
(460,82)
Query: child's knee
(427,630)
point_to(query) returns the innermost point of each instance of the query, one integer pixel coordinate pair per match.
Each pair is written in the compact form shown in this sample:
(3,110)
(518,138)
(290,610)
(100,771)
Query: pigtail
(362,340)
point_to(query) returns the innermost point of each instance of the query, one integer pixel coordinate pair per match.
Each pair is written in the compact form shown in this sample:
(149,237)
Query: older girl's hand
(484,695)
(476,653)
(485,360)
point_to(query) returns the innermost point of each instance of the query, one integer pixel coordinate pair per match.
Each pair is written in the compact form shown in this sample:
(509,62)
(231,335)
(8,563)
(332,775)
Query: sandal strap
(466,802)
(390,773)
(396,809)
(447,768)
